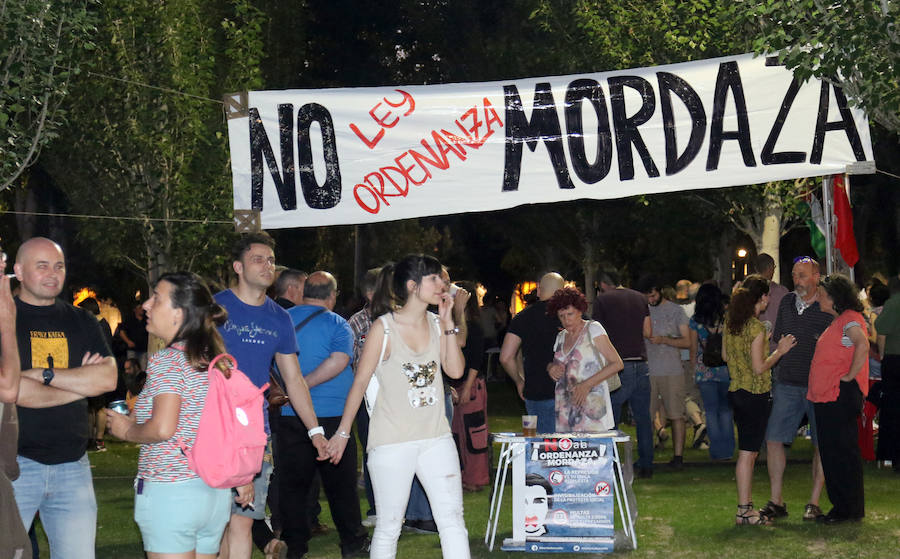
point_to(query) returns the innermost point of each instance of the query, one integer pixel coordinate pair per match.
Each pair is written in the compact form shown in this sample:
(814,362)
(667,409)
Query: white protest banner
(361,155)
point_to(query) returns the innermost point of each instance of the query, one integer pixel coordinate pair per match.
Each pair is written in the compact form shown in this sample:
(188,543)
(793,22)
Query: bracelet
(317,430)
(452,331)
(343,434)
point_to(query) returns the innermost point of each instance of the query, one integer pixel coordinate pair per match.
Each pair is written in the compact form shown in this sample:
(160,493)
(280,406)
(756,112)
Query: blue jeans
(418,507)
(719,420)
(636,391)
(64,494)
(545,410)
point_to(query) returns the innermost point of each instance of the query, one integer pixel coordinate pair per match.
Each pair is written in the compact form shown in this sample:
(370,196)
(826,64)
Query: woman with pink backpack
(176,511)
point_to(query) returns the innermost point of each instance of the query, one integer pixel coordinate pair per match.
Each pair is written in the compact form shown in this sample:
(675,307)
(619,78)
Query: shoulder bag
(277,394)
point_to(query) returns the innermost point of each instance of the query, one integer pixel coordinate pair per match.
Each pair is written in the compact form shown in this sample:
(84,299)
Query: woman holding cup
(406,349)
(177,513)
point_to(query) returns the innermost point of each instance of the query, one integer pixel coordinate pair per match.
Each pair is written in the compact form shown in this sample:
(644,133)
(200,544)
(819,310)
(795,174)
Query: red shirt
(832,359)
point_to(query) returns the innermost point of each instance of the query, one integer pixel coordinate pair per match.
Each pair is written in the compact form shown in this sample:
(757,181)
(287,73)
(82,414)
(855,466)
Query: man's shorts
(670,390)
(260,493)
(789,403)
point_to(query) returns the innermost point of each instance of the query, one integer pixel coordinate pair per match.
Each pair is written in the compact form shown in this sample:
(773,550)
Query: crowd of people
(761,360)
(408,371)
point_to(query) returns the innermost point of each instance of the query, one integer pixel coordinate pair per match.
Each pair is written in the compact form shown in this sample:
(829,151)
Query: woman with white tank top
(406,349)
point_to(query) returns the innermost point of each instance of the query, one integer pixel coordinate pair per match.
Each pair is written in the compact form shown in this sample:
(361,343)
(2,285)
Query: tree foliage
(854,41)
(42,44)
(147,141)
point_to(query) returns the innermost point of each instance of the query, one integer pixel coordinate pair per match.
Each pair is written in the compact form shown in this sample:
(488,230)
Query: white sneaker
(369,521)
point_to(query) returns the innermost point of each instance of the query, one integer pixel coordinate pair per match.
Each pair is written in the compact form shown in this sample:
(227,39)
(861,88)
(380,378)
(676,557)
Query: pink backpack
(231,439)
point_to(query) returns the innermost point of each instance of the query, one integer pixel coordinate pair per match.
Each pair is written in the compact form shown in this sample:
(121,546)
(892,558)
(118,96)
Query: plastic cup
(529,425)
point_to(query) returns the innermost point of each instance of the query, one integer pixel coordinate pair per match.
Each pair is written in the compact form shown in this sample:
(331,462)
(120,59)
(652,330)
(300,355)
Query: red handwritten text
(384,118)
(415,167)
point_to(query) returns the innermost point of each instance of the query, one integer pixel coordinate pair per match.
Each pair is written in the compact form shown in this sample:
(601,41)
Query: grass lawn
(686,514)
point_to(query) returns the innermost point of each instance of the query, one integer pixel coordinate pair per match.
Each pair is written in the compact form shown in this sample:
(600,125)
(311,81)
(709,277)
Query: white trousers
(436,463)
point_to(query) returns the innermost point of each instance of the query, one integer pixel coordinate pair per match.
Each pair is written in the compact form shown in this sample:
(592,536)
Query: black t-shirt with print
(55,336)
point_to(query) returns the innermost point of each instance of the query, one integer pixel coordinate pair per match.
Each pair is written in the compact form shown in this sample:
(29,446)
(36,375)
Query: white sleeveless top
(410,403)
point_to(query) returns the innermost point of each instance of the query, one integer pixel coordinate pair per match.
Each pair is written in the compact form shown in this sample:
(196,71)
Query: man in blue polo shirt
(258,332)
(325,341)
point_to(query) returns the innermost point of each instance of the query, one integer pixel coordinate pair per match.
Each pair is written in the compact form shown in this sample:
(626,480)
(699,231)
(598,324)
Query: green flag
(815,220)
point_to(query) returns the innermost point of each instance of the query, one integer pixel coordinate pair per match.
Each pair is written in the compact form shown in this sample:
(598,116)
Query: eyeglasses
(804,259)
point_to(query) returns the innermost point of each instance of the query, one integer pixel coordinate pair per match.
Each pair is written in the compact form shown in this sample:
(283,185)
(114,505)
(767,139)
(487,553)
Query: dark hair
(764,262)
(202,316)
(134,383)
(648,283)
(538,479)
(843,293)
(743,302)
(608,277)
(879,294)
(285,279)
(134,362)
(319,290)
(894,284)
(90,304)
(564,297)
(370,279)
(242,245)
(390,289)
(709,308)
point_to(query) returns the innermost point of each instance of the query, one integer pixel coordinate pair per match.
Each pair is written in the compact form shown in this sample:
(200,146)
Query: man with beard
(798,314)
(670,334)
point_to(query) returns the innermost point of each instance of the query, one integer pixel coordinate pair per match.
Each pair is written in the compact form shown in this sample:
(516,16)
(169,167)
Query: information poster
(569,495)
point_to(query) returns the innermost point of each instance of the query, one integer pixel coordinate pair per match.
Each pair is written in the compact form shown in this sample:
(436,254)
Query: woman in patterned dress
(584,359)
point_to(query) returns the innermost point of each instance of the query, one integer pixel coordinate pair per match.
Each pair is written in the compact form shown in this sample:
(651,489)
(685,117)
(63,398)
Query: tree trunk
(772,230)
(723,255)
(25,202)
(589,272)
(771,241)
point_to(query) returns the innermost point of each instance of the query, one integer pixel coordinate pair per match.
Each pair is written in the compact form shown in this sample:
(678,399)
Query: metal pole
(357,260)
(828,211)
(847,188)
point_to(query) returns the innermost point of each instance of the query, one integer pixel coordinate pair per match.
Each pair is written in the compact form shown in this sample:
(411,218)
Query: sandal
(773,511)
(276,549)
(747,515)
(812,512)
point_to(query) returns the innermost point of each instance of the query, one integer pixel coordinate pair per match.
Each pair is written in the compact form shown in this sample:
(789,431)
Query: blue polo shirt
(325,334)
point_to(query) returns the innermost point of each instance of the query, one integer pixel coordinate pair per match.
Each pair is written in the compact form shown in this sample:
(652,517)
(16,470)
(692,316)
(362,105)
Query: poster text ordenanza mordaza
(615,127)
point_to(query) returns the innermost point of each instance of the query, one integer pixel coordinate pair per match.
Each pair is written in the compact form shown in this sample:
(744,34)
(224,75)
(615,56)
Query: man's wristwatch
(48,375)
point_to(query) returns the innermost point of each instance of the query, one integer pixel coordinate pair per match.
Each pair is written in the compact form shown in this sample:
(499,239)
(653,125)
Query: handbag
(614,382)
(277,394)
(712,347)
